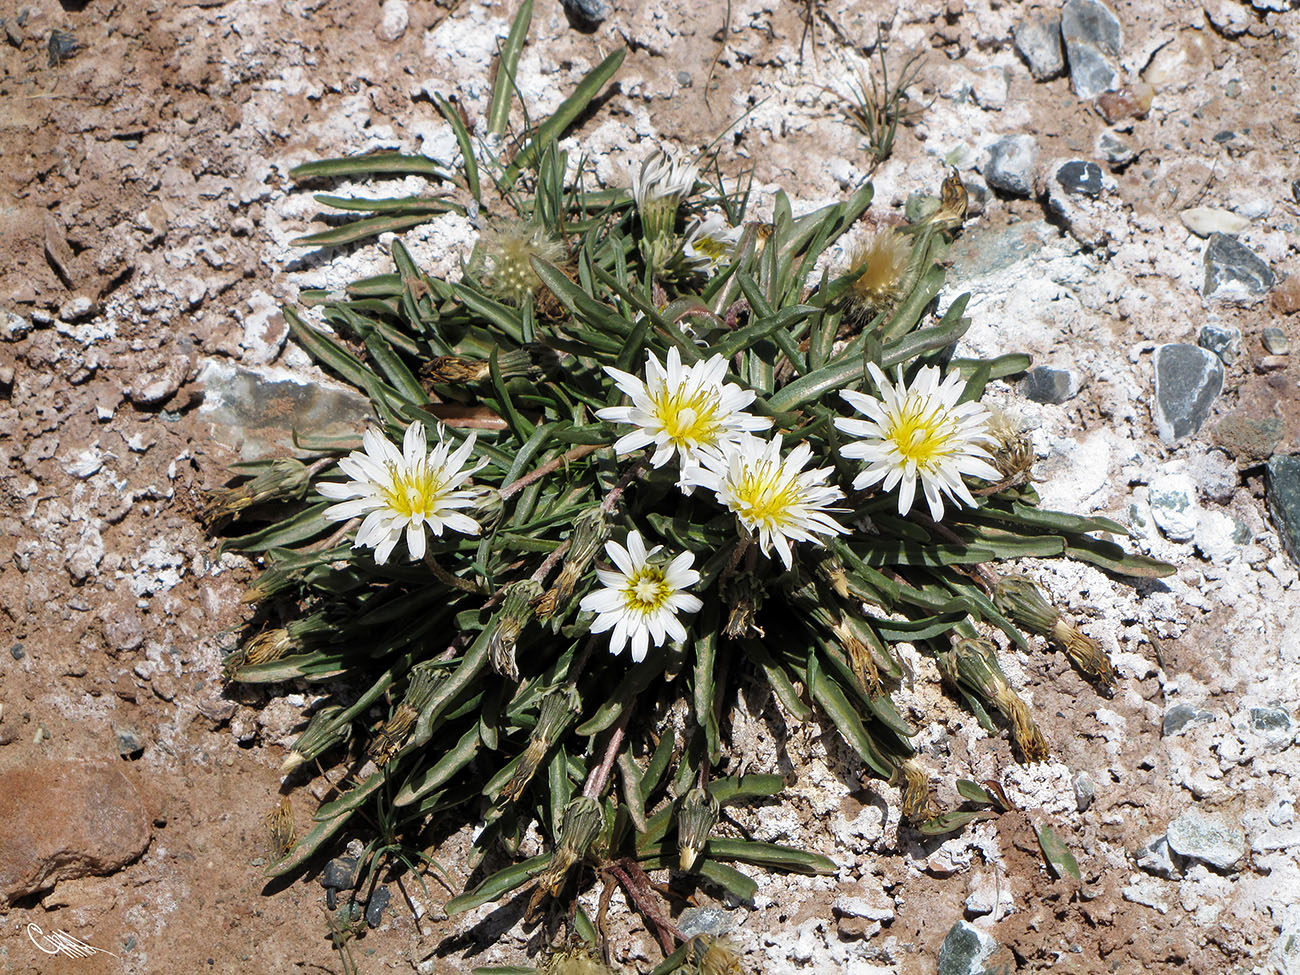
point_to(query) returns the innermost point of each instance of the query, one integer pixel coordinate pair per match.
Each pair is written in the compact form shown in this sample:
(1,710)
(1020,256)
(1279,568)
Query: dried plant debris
(692,470)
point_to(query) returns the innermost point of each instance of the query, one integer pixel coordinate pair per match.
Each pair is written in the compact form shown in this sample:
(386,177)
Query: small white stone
(1204,221)
(393,21)
(1173,506)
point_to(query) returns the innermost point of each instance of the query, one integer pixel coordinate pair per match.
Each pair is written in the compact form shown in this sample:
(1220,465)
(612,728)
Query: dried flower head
(1013,451)
(681,410)
(506,253)
(642,596)
(918,806)
(918,433)
(972,664)
(772,497)
(1020,599)
(400,492)
(284,479)
(881,268)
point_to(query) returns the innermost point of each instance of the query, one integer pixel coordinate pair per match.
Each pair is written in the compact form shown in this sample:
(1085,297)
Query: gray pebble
(17,651)
(1113,149)
(586,13)
(1223,340)
(1282,489)
(1213,842)
(1043,384)
(340,873)
(129,743)
(75,309)
(705,920)
(1039,42)
(1156,858)
(1275,341)
(1234,273)
(1274,725)
(1093,41)
(964,950)
(1085,791)
(375,907)
(1188,379)
(1080,177)
(1011,164)
(1181,717)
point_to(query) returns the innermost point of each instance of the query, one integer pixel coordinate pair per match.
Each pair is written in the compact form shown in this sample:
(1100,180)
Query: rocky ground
(1141,245)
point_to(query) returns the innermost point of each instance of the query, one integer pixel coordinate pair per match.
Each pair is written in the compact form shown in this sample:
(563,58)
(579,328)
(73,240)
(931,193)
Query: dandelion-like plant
(659,466)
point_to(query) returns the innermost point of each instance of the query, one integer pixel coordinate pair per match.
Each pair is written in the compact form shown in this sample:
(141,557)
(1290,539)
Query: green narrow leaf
(507,64)
(392,204)
(498,885)
(950,822)
(1057,854)
(974,792)
(769,855)
(468,163)
(568,112)
(832,699)
(426,780)
(706,645)
(356,230)
(379,163)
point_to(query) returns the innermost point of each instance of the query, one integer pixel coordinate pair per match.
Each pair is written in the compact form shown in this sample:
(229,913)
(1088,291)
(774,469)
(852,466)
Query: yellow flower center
(413,492)
(689,419)
(715,250)
(647,590)
(761,496)
(922,435)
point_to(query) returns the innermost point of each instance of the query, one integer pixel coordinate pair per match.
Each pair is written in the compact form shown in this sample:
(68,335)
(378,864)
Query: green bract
(494,699)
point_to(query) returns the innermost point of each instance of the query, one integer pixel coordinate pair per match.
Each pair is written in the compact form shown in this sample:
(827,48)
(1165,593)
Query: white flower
(919,433)
(402,491)
(710,243)
(642,598)
(776,499)
(681,410)
(662,178)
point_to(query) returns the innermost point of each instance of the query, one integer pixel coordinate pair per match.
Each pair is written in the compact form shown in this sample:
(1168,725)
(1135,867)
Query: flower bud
(1018,598)
(559,707)
(324,732)
(504,259)
(590,530)
(745,594)
(393,733)
(516,613)
(1013,452)
(881,267)
(582,823)
(284,479)
(696,817)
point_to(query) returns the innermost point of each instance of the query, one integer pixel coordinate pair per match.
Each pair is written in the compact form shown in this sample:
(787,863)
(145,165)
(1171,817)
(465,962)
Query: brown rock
(64,820)
(1285,298)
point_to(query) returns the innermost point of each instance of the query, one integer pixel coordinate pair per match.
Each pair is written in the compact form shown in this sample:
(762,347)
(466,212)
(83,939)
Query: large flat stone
(255,412)
(63,820)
